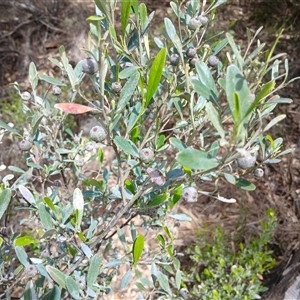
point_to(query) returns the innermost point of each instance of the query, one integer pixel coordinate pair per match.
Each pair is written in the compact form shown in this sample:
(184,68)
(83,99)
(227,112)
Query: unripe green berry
(194,23)
(89,65)
(146,155)
(116,87)
(247,160)
(259,173)
(203,20)
(26,96)
(56,91)
(190,194)
(191,52)
(174,59)
(97,134)
(213,60)
(25,145)
(184,293)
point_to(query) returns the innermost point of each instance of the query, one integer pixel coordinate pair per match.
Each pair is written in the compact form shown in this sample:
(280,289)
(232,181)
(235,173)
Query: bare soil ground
(37,30)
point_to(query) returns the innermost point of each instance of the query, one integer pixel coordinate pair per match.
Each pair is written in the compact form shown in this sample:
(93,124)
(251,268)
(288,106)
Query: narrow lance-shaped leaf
(164,282)
(128,90)
(33,76)
(214,117)
(58,276)
(93,270)
(155,74)
(238,94)
(51,80)
(208,86)
(9,128)
(72,287)
(125,12)
(274,121)
(22,255)
(137,248)
(78,204)
(4,201)
(235,50)
(171,31)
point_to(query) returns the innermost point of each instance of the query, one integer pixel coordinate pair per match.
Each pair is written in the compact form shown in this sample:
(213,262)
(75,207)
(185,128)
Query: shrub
(220,273)
(194,117)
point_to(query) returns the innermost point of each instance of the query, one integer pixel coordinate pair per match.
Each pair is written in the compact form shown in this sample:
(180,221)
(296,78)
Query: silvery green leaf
(126,278)
(72,287)
(5,197)
(113,263)
(93,271)
(86,250)
(181,217)
(274,121)
(22,256)
(27,195)
(164,282)
(171,31)
(57,275)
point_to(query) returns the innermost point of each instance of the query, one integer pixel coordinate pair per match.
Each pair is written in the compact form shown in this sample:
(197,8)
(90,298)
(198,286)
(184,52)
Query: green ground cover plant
(189,109)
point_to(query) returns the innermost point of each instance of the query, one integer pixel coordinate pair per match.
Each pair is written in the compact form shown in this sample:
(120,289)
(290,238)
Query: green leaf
(196,159)
(16,169)
(137,248)
(25,192)
(104,7)
(22,255)
(5,197)
(48,201)
(93,270)
(58,276)
(143,16)
(33,76)
(25,240)
(128,90)
(245,184)
(126,278)
(159,199)
(134,116)
(155,74)
(214,118)
(133,231)
(125,12)
(55,293)
(181,217)
(78,204)
(45,216)
(218,3)
(164,282)
(113,264)
(177,143)
(72,287)
(127,146)
(274,121)
(238,94)
(235,50)
(51,80)
(205,86)
(141,287)
(178,277)
(10,129)
(30,292)
(171,31)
